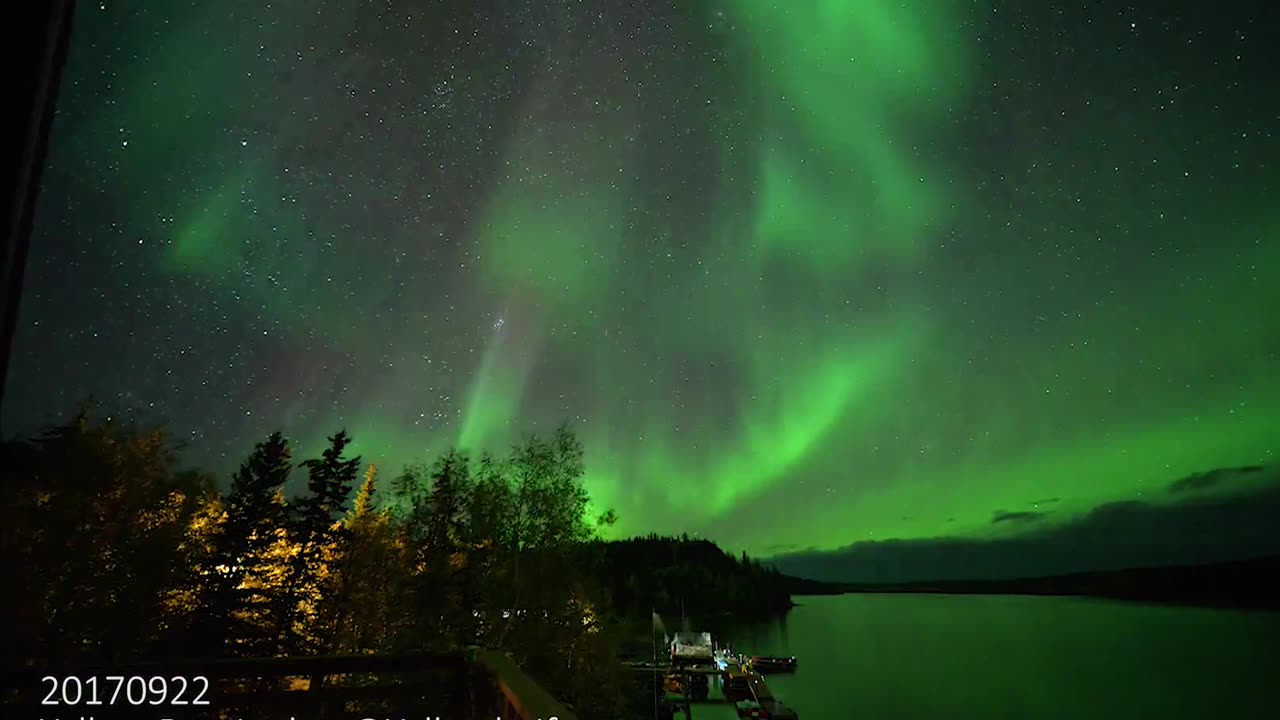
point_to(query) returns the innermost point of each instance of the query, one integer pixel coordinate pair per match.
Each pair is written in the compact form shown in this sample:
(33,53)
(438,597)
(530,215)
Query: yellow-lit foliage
(204,524)
(95,543)
(196,545)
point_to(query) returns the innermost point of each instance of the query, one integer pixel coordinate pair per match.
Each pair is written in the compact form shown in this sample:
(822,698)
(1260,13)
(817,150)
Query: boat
(772,664)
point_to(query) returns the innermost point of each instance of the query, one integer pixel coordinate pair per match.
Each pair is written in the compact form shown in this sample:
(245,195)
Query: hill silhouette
(1210,539)
(1238,585)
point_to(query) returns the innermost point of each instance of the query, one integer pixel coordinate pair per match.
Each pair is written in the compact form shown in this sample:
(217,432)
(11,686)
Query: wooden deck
(477,683)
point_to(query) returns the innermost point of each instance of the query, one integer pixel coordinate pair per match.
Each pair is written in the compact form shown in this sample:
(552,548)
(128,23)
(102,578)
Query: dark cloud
(1199,481)
(1020,516)
(1193,528)
(1206,480)
(1046,501)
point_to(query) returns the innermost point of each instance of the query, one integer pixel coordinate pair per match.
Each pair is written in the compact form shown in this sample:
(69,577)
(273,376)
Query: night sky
(801,273)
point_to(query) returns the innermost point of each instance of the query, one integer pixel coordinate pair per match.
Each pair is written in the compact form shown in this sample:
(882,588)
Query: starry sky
(800,273)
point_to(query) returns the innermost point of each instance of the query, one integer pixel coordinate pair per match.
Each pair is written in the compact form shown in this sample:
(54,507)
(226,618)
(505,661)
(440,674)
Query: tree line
(691,577)
(116,553)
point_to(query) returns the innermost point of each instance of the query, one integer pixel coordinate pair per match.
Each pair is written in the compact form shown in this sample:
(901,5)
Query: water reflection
(984,657)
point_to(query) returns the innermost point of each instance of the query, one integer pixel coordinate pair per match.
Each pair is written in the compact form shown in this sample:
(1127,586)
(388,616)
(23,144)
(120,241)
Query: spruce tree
(450,485)
(255,516)
(450,490)
(363,503)
(318,539)
(330,480)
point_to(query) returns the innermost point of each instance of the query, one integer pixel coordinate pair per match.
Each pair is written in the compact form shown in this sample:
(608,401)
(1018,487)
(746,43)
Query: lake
(908,657)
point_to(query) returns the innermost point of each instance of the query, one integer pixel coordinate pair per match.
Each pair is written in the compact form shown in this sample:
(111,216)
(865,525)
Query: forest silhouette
(121,555)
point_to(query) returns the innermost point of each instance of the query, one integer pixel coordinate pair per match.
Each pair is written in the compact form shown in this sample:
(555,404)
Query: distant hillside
(671,575)
(1206,518)
(1246,585)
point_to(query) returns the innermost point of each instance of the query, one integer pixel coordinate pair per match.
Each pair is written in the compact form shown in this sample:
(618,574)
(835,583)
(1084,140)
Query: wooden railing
(478,684)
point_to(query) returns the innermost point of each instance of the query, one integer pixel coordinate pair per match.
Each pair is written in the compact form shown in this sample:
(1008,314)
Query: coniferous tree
(362,505)
(450,485)
(253,512)
(446,571)
(330,480)
(319,543)
(235,602)
(372,599)
(489,509)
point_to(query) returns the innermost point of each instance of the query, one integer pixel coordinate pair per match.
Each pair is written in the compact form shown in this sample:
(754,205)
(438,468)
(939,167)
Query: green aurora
(858,324)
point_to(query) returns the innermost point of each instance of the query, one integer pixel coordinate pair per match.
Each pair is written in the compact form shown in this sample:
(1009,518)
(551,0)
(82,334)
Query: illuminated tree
(91,523)
(374,606)
(319,542)
(237,601)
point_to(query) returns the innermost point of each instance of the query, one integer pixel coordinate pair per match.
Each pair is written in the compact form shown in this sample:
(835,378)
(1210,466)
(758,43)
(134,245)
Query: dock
(756,683)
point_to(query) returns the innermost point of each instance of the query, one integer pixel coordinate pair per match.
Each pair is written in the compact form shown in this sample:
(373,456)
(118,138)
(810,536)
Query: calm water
(889,657)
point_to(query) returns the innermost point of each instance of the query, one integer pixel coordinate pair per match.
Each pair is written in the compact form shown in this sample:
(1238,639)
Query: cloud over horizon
(1196,526)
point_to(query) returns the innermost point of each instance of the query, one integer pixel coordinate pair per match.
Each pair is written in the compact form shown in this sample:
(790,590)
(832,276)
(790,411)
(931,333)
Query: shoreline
(1245,585)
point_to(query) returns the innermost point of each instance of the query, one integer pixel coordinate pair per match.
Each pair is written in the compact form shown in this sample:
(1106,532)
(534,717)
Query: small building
(691,647)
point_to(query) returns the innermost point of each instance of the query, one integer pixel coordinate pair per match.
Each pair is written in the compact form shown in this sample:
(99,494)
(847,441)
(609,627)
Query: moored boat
(772,664)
